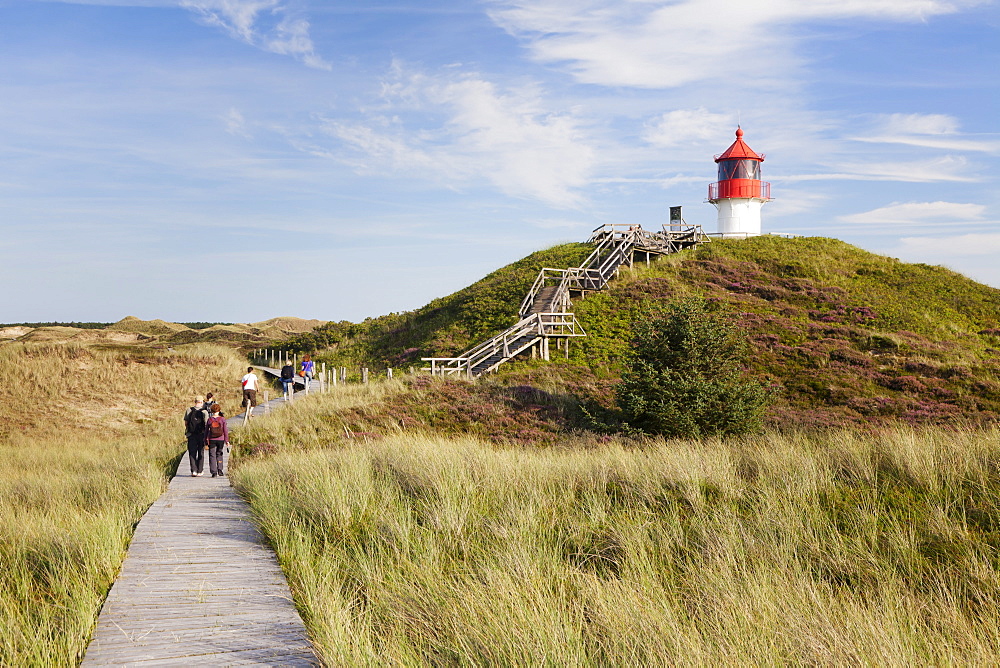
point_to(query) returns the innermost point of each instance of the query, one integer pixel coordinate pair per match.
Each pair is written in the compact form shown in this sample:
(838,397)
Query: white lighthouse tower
(739,193)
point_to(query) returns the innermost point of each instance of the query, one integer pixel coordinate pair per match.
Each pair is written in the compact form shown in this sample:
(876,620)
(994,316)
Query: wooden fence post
(364,375)
(388,373)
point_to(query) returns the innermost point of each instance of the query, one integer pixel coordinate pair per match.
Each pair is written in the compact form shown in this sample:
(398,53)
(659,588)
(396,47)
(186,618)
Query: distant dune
(131,329)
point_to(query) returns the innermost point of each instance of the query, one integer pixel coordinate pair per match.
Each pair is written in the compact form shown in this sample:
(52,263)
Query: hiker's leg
(199,453)
(213,463)
(193,450)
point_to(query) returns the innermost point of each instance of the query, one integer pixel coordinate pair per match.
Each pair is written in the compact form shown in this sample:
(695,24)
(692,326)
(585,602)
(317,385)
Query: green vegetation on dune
(844,335)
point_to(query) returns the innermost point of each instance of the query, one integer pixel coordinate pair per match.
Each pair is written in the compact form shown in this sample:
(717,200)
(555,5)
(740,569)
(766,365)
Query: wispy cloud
(235,123)
(662,43)
(927,131)
(915,213)
(952,246)
(683,126)
(265,24)
(947,169)
(471,130)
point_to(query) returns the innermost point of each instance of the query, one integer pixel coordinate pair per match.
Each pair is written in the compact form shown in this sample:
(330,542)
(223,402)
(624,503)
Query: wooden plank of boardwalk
(199,587)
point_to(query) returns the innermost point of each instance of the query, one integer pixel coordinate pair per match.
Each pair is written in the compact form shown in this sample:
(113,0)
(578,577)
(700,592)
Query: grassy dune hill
(847,336)
(148,327)
(844,336)
(88,436)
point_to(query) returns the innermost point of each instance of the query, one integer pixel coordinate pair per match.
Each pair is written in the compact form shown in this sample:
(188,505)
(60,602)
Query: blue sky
(240,159)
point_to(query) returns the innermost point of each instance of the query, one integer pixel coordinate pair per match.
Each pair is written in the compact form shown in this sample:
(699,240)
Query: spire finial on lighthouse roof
(739,150)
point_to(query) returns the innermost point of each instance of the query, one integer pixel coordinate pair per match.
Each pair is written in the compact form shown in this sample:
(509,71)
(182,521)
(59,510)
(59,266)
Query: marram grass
(88,438)
(844,549)
(67,511)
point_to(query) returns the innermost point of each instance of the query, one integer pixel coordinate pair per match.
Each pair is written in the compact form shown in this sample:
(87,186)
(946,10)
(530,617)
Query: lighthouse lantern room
(739,193)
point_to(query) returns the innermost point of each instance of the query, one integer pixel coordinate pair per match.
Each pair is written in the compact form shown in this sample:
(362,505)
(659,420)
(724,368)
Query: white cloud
(790,202)
(944,169)
(663,43)
(684,126)
(473,131)
(910,213)
(951,246)
(235,123)
(924,124)
(265,24)
(380,150)
(927,131)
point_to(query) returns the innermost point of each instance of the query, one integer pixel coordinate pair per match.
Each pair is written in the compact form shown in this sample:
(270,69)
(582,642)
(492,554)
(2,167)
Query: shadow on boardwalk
(199,587)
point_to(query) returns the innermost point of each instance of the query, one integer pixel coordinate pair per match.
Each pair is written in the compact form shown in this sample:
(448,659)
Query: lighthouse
(739,193)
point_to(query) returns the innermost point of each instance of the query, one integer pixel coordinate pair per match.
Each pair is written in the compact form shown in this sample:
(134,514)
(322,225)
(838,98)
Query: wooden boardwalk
(199,587)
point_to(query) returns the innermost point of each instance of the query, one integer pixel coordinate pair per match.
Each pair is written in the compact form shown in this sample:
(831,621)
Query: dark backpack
(215,429)
(196,421)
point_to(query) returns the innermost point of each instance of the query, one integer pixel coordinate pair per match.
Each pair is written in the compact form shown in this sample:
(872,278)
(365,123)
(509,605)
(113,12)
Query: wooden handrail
(614,246)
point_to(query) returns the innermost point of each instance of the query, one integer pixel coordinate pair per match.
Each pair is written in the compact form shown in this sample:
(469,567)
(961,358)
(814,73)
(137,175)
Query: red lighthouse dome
(739,173)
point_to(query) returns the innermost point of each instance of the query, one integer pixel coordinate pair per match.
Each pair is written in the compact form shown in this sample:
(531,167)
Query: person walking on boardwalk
(216,438)
(195,421)
(250,382)
(308,369)
(288,379)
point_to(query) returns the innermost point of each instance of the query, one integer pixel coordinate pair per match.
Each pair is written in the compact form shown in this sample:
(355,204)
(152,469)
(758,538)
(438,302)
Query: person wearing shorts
(250,383)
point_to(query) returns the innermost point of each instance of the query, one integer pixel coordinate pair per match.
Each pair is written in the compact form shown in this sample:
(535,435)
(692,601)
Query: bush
(684,375)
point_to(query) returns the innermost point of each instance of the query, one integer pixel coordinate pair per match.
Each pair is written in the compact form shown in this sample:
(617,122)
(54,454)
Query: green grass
(850,548)
(89,438)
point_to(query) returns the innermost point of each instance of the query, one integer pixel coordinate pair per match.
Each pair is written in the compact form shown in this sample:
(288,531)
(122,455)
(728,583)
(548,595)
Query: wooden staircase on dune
(545,312)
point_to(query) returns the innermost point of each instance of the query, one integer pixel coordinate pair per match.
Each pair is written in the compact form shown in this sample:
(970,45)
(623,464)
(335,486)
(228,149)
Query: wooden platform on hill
(199,587)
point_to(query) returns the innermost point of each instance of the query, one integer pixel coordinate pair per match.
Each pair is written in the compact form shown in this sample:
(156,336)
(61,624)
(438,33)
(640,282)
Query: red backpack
(215,431)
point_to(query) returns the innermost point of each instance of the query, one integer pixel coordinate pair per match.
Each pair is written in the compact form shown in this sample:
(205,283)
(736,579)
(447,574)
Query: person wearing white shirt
(250,382)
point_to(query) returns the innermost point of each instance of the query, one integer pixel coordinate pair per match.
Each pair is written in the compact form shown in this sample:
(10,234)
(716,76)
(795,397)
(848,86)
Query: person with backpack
(195,421)
(216,438)
(250,382)
(288,379)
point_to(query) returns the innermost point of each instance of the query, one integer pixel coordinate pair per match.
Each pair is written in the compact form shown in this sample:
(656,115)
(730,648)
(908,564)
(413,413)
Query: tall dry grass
(846,549)
(88,438)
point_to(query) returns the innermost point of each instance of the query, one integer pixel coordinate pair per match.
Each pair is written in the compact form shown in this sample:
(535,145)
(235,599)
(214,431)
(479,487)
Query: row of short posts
(326,377)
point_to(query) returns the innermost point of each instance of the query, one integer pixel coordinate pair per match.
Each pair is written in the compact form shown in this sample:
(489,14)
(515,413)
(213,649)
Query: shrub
(684,376)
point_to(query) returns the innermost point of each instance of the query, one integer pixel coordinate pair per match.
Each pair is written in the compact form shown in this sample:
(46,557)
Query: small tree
(684,375)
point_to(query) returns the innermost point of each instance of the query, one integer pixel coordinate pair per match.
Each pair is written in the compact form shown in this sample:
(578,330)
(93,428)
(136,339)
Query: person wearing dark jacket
(288,379)
(216,438)
(195,419)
